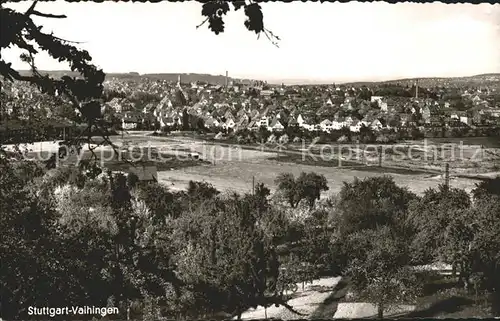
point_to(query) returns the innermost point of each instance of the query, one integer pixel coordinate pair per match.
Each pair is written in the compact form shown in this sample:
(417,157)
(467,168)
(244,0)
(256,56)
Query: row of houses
(226,116)
(337,112)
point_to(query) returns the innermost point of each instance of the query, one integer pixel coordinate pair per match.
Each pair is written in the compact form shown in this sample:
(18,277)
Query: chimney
(179,80)
(226,80)
(416,89)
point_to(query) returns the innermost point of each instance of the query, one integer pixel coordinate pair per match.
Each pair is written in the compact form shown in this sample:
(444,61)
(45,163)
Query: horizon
(293,81)
(365,42)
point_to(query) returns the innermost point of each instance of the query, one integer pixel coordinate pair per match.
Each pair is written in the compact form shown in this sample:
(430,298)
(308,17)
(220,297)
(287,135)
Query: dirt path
(304,301)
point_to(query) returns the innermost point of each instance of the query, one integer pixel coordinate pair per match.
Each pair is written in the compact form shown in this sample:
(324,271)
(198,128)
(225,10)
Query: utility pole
(380,156)
(340,157)
(447,176)
(253,185)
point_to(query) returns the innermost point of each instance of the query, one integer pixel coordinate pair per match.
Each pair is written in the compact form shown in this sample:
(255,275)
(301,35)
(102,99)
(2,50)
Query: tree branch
(48,15)
(31,9)
(279,301)
(201,24)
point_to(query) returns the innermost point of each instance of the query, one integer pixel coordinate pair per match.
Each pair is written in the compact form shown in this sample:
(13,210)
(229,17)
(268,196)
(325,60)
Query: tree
(161,202)
(33,269)
(201,191)
(307,186)
(372,202)
(429,217)
(483,224)
(85,94)
(20,31)
(185,120)
(379,269)
(487,187)
(310,185)
(288,187)
(315,247)
(226,256)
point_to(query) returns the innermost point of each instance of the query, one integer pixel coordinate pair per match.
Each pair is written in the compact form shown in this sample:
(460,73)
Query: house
(381,101)
(167,121)
(426,114)
(253,114)
(306,123)
(229,114)
(435,120)
(404,119)
(326,125)
(242,123)
(275,125)
(263,121)
(337,124)
(253,125)
(466,119)
(355,125)
(266,93)
(300,120)
(292,122)
(348,121)
(130,120)
(494,112)
(211,122)
(229,123)
(376,125)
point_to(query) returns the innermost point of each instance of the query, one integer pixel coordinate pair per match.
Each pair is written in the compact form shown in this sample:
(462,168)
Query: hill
(478,80)
(172,77)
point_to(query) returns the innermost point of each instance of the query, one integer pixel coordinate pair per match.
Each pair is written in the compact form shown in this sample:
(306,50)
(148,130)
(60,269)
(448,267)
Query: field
(235,168)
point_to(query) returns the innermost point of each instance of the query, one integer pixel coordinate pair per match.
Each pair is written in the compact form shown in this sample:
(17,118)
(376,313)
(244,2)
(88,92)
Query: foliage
(161,202)
(19,30)
(430,216)
(308,186)
(201,191)
(214,11)
(372,202)
(226,255)
(35,259)
(379,268)
(486,188)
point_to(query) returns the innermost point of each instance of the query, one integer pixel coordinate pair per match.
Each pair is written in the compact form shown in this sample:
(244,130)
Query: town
(469,108)
(315,182)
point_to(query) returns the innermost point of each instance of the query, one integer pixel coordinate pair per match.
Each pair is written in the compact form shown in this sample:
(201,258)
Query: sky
(320,42)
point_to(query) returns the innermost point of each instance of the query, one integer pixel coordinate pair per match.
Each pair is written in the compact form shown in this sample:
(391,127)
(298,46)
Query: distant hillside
(185,78)
(484,79)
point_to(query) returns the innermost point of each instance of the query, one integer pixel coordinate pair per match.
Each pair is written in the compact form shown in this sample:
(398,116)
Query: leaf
(255,18)
(209,9)
(238,4)
(214,11)
(91,110)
